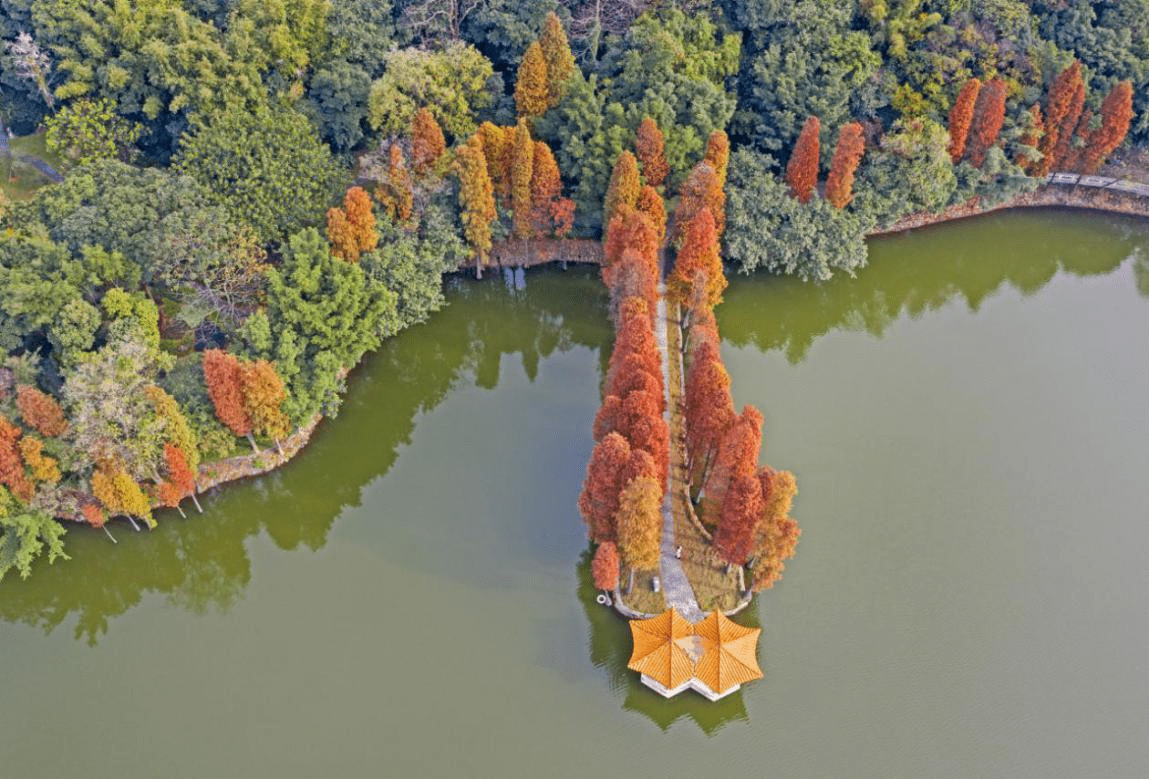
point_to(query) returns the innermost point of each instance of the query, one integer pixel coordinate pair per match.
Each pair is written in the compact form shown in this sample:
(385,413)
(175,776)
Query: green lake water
(410,597)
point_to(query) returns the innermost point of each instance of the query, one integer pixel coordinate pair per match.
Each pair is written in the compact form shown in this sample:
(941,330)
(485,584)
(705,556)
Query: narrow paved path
(676,588)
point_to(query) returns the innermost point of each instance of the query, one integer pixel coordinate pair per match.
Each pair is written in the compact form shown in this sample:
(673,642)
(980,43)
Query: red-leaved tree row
(802,169)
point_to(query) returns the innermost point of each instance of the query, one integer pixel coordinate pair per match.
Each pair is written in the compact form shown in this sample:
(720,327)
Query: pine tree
(559,60)
(650,149)
(598,502)
(988,116)
(531,83)
(961,115)
(847,154)
(604,567)
(522,168)
(639,523)
(1116,115)
(427,142)
(40,411)
(718,154)
(623,188)
(476,199)
(802,169)
(551,213)
(698,255)
(701,189)
(224,387)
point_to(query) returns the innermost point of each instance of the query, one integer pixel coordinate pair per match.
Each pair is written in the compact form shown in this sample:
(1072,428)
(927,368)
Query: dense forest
(257,192)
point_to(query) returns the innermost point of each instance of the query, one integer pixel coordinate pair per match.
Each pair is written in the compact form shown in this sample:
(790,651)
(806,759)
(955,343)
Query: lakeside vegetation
(211,147)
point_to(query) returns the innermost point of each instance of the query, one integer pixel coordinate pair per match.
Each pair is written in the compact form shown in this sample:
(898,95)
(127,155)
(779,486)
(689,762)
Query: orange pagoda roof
(661,647)
(729,653)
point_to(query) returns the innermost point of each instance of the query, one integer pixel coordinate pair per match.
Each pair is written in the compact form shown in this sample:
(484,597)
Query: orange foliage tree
(641,423)
(633,375)
(629,229)
(551,213)
(1116,115)
(961,115)
(476,199)
(351,229)
(498,144)
(988,116)
(634,337)
(559,60)
(802,169)
(263,396)
(847,154)
(598,501)
(718,154)
(701,189)
(776,535)
(606,419)
(650,148)
(180,481)
(651,205)
(221,374)
(698,257)
(43,468)
(623,188)
(604,567)
(427,142)
(632,276)
(522,168)
(531,97)
(12,464)
(639,522)
(120,494)
(40,411)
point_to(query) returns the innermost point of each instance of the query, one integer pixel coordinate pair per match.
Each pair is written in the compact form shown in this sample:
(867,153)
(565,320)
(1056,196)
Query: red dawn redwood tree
(650,149)
(847,154)
(961,115)
(776,535)
(802,169)
(629,229)
(606,419)
(651,205)
(639,524)
(742,510)
(1116,115)
(632,276)
(427,142)
(737,452)
(560,62)
(709,412)
(551,213)
(604,567)
(633,375)
(698,255)
(1060,115)
(988,116)
(221,374)
(598,502)
(476,199)
(498,145)
(263,396)
(701,189)
(634,337)
(12,473)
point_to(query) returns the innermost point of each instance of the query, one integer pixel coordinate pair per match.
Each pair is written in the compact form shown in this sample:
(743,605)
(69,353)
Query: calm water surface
(411,597)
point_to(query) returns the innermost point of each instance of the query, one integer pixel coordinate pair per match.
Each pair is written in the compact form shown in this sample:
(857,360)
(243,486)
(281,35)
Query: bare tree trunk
(279,447)
(630,584)
(114,541)
(741,579)
(251,440)
(196,502)
(478,266)
(181,511)
(137,527)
